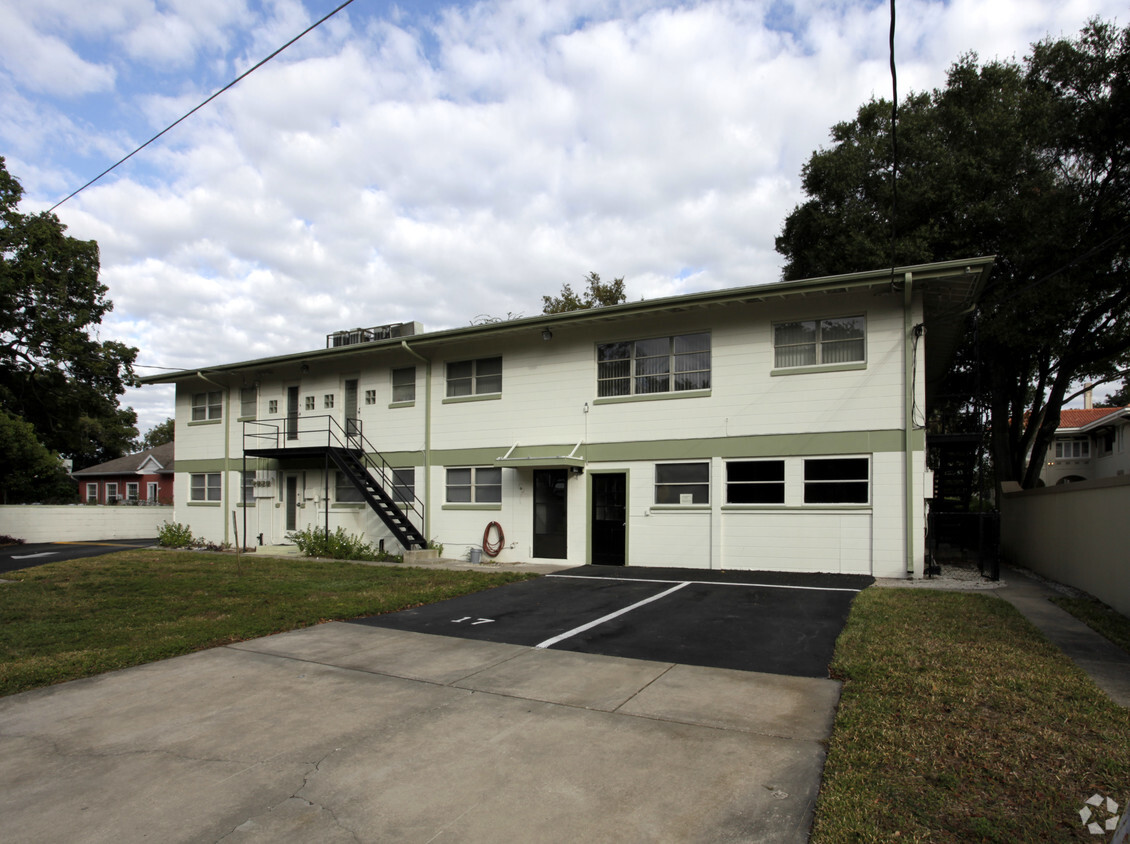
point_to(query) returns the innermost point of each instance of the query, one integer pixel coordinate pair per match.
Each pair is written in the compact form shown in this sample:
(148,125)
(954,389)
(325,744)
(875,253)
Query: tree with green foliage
(159,434)
(1028,162)
(28,471)
(598,295)
(54,375)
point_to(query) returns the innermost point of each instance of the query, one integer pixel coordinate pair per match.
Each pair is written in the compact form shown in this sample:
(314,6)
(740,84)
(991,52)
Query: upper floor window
(658,365)
(404,381)
(1072,449)
(206,406)
(310,403)
(248,401)
(816,342)
(370,397)
(474,377)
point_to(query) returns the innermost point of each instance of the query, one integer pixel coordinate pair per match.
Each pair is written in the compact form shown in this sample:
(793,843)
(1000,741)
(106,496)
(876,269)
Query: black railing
(288,435)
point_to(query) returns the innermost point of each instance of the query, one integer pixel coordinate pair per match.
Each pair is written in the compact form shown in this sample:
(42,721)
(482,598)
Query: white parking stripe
(706,583)
(611,616)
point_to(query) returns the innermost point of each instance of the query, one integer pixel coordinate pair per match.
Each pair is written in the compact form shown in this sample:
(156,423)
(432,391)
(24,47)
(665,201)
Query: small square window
(273,406)
(370,397)
(310,403)
(328,400)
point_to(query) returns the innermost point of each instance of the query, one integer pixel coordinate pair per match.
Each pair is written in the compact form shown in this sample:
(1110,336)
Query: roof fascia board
(922,273)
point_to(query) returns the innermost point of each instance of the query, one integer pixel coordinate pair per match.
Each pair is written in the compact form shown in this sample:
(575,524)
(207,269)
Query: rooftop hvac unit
(354,336)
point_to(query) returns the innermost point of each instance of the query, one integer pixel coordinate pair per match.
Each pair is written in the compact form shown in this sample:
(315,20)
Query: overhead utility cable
(894,140)
(188,114)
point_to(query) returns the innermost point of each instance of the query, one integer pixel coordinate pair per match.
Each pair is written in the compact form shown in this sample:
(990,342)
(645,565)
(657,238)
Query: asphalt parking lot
(769,622)
(13,557)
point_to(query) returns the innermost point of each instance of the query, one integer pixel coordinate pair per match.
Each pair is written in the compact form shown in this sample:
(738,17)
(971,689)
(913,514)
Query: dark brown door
(609,519)
(550,518)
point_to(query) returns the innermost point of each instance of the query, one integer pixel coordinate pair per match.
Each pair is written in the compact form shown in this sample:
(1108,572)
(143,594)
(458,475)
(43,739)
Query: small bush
(10,540)
(339,545)
(174,535)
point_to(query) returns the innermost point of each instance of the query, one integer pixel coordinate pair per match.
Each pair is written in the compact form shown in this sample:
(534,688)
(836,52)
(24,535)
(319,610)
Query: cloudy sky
(440,161)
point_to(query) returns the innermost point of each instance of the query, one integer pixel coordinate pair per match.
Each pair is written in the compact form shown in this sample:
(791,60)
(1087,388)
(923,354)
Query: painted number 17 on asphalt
(469,617)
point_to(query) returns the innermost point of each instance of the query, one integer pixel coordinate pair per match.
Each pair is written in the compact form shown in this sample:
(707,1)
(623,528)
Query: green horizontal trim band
(396,404)
(205,504)
(461,399)
(825,443)
(675,394)
(196,422)
(828,367)
(808,508)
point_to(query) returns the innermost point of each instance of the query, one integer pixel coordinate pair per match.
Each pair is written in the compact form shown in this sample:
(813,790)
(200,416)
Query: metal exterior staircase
(352,464)
(348,450)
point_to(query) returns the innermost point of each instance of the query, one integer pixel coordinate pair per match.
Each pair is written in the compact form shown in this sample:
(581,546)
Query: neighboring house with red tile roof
(1090,443)
(142,478)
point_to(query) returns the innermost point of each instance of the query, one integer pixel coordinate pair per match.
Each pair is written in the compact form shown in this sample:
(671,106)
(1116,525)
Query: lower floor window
(92,493)
(755,482)
(204,487)
(111,493)
(837,480)
(345,491)
(404,485)
(682,483)
(132,491)
(475,485)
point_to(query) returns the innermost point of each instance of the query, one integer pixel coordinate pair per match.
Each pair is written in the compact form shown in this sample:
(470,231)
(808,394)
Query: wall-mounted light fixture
(305,368)
(546,334)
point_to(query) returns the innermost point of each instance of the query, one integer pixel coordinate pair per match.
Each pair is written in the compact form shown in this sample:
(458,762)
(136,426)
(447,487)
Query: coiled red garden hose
(493,549)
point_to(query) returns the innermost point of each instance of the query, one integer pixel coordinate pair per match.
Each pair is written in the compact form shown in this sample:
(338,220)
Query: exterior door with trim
(550,516)
(609,525)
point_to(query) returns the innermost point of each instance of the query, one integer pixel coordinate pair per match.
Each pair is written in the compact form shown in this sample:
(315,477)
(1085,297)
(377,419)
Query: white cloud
(437,168)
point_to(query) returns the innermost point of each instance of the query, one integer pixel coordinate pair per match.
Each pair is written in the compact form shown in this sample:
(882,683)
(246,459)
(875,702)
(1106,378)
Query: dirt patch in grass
(65,620)
(960,722)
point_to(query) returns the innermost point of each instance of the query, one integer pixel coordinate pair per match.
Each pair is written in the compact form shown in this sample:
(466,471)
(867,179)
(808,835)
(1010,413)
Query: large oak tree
(54,375)
(1030,162)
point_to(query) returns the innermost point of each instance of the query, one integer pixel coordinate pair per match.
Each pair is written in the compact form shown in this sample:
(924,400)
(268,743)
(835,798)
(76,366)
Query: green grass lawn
(1100,618)
(960,722)
(73,619)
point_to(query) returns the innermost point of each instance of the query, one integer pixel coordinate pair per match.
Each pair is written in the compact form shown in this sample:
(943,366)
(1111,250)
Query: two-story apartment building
(775,427)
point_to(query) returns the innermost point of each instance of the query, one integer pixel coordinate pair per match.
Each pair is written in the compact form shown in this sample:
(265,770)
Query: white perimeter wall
(81,522)
(1073,534)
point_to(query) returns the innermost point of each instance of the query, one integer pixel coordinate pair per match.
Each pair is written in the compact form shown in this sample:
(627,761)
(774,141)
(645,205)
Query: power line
(188,114)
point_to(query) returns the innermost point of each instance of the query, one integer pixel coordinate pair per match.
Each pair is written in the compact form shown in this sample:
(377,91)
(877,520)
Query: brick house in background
(142,478)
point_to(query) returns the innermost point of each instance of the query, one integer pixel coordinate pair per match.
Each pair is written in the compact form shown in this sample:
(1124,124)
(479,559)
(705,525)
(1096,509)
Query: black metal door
(292,413)
(609,518)
(550,518)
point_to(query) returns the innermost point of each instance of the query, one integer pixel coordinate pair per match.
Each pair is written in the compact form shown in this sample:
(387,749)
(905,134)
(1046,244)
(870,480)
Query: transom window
(206,406)
(658,365)
(755,482)
(682,483)
(474,377)
(837,480)
(404,382)
(815,342)
(204,487)
(475,485)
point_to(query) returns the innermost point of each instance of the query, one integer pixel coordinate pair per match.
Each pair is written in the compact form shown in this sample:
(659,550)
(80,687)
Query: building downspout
(227,448)
(426,528)
(908,381)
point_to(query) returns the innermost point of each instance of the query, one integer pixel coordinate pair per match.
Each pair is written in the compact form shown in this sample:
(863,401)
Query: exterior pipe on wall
(426,528)
(908,362)
(227,451)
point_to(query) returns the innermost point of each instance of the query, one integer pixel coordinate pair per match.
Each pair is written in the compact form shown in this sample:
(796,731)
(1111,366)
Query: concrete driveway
(349,732)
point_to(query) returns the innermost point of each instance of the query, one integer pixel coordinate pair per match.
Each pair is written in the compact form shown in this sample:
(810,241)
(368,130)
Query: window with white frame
(474,485)
(755,482)
(816,342)
(474,377)
(111,493)
(682,483)
(404,485)
(328,401)
(309,403)
(273,407)
(656,365)
(344,490)
(837,480)
(370,397)
(92,493)
(248,402)
(247,487)
(404,382)
(1072,449)
(207,406)
(133,491)
(204,487)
